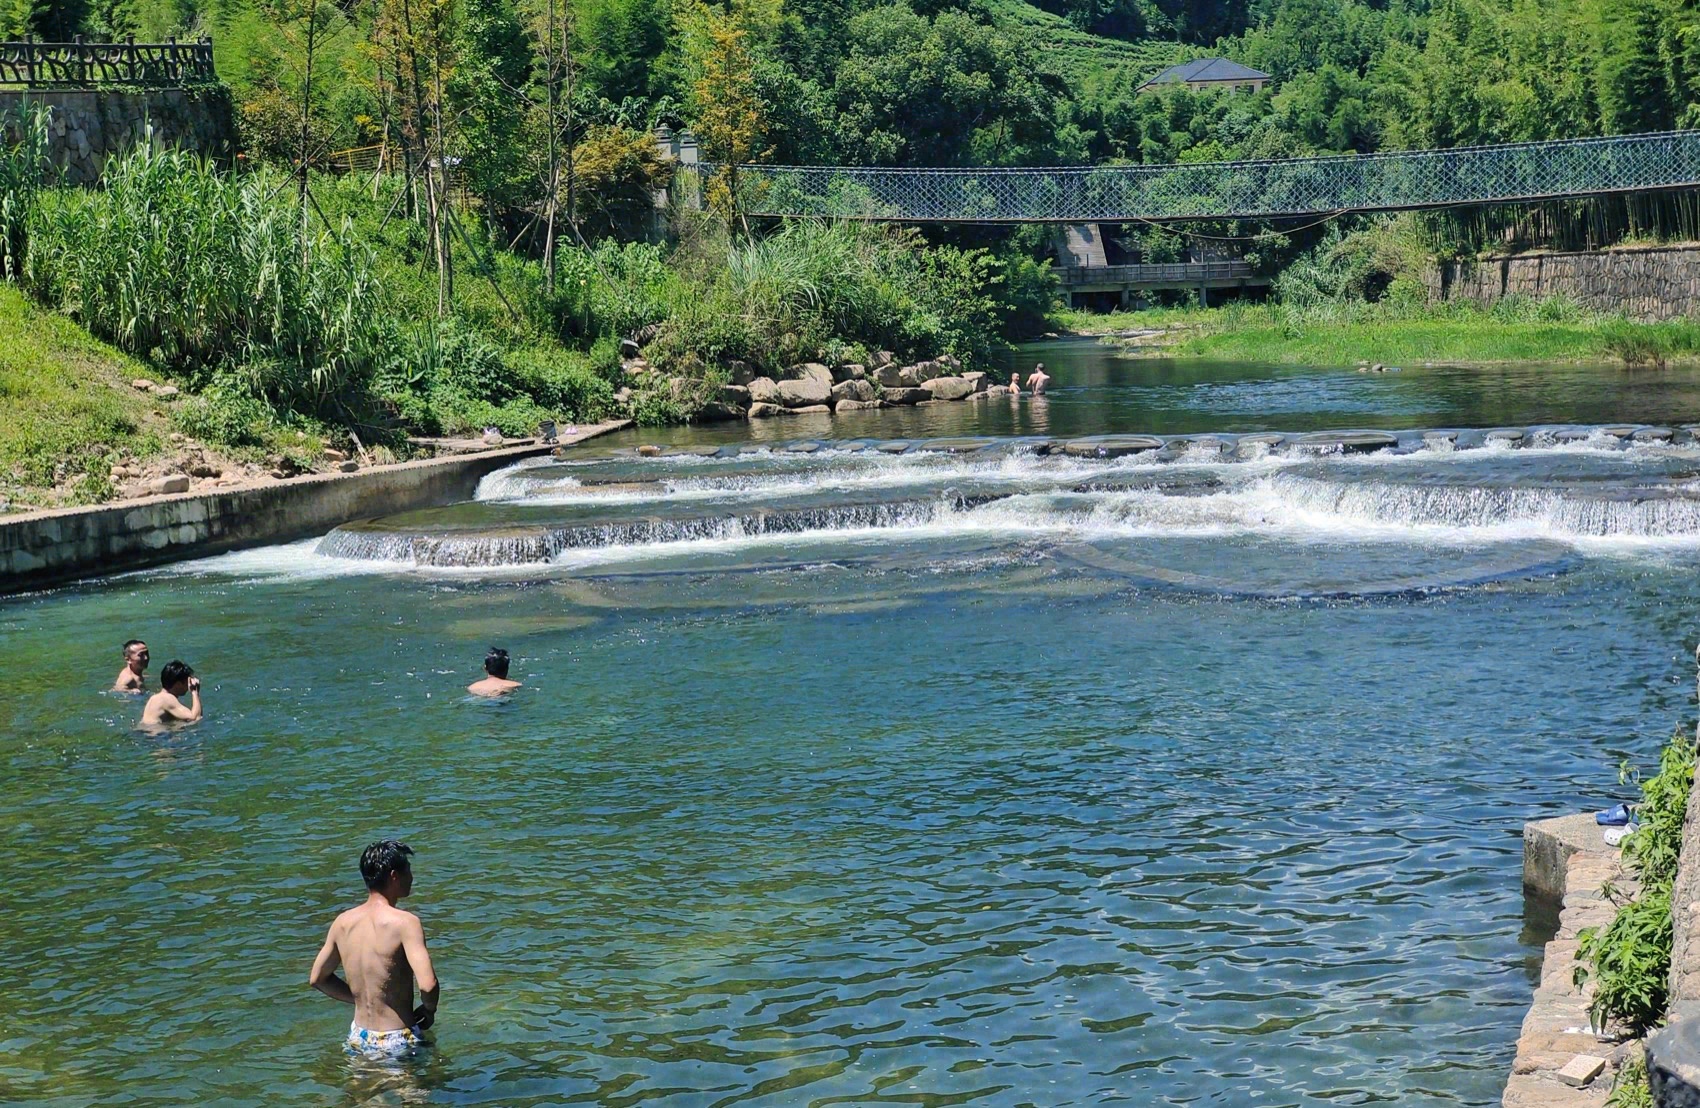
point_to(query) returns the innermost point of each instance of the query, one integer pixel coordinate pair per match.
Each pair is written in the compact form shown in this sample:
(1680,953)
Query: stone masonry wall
(1649,283)
(90,126)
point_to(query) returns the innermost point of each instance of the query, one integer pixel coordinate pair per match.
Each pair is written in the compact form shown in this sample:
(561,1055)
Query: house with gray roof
(1209,73)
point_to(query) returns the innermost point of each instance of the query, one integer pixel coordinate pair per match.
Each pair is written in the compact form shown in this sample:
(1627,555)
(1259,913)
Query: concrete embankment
(38,549)
(1560,1062)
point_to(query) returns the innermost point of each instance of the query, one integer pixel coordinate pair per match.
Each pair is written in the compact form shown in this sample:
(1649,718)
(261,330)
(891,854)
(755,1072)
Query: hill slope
(1079,53)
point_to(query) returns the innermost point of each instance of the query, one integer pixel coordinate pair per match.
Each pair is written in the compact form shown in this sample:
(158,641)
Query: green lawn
(1350,333)
(1399,342)
(66,408)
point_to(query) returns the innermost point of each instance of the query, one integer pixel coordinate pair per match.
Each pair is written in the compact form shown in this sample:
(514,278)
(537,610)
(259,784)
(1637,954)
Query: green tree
(730,117)
(1630,75)
(949,91)
(492,76)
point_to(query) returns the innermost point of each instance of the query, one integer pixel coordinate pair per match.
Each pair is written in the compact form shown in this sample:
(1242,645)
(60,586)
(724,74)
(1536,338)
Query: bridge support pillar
(1203,296)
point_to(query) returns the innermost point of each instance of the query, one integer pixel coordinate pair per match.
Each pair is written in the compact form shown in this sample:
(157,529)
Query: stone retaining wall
(1649,283)
(90,126)
(46,548)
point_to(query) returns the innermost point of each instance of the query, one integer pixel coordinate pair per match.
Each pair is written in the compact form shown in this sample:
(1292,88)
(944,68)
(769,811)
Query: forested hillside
(990,81)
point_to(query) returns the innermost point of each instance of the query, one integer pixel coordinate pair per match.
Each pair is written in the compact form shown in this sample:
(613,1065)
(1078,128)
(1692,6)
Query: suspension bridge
(1393,181)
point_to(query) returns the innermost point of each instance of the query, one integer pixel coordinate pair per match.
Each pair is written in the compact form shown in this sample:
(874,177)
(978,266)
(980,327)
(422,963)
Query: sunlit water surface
(999,780)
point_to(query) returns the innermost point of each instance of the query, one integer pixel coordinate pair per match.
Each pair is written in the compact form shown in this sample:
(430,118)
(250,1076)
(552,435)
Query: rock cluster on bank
(816,387)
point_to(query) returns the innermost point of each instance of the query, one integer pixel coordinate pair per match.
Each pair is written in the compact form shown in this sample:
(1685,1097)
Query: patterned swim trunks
(403,1042)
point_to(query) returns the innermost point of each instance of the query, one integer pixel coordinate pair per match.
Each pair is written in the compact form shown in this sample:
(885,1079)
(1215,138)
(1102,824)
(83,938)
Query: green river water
(854,778)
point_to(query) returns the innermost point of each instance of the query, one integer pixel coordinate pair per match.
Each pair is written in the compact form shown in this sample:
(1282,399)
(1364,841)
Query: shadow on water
(1540,926)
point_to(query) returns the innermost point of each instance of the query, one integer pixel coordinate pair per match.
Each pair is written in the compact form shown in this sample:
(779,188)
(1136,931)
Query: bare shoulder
(403,920)
(346,919)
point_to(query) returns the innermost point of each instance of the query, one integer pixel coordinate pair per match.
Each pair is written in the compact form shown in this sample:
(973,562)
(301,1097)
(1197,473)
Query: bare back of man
(371,943)
(381,950)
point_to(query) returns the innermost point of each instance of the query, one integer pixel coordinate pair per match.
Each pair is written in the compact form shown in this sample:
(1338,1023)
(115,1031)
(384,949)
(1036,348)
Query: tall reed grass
(201,273)
(23,167)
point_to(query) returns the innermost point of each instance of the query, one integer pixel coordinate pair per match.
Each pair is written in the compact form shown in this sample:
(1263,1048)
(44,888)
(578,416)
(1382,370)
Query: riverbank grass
(66,408)
(1347,333)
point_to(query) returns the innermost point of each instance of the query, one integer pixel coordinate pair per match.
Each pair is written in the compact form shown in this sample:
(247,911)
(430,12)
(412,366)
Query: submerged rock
(1111,446)
(1346,442)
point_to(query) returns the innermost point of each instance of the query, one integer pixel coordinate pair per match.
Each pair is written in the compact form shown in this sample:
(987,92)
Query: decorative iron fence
(81,64)
(1390,181)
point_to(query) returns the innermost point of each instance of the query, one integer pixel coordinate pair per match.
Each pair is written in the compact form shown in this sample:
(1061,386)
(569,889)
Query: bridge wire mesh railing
(1391,181)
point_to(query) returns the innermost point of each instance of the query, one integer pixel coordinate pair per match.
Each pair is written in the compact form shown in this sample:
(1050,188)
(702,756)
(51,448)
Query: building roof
(1208,69)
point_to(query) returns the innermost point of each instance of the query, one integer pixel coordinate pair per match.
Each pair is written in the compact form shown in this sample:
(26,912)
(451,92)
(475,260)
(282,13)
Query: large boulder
(764,390)
(905,396)
(883,358)
(850,372)
(809,409)
(807,392)
(763,411)
(735,396)
(741,372)
(716,411)
(949,388)
(852,390)
(812,371)
(889,375)
(848,405)
(977,379)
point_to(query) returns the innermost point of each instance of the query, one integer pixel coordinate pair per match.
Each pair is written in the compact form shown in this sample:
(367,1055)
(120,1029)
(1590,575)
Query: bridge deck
(1394,181)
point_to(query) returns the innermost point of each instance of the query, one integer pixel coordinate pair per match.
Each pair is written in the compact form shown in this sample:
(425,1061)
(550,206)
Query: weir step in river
(1266,514)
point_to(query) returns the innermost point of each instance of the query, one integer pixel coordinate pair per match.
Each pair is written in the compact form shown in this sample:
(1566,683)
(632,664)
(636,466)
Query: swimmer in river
(133,677)
(1038,379)
(1014,383)
(166,706)
(381,950)
(495,681)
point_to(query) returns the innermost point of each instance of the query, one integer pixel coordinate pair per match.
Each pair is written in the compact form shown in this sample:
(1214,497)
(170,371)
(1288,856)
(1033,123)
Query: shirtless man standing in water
(133,677)
(382,952)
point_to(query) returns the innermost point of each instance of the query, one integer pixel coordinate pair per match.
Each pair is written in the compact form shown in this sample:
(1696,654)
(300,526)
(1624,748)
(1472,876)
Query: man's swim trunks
(404,1042)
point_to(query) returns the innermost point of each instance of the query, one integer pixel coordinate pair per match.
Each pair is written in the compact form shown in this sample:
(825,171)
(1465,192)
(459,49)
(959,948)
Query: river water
(839,776)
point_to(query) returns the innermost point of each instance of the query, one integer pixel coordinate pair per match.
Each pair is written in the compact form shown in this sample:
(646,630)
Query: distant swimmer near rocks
(166,706)
(495,681)
(133,677)
(381,951)
(1038,379)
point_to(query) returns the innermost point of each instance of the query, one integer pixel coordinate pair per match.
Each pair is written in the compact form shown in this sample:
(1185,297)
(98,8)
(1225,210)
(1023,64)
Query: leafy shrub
(1629,959)
(562,383)
(226,414)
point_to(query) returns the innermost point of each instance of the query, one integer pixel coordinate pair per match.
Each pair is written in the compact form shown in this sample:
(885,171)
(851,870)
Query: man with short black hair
(132,678)
(495,682)
(381,950)
(166,705)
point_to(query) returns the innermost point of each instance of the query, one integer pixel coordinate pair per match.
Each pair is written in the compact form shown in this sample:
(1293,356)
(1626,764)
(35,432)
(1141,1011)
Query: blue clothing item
(1613,817)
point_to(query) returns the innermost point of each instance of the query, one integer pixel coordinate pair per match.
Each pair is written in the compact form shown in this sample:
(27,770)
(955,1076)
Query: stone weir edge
(57,546)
